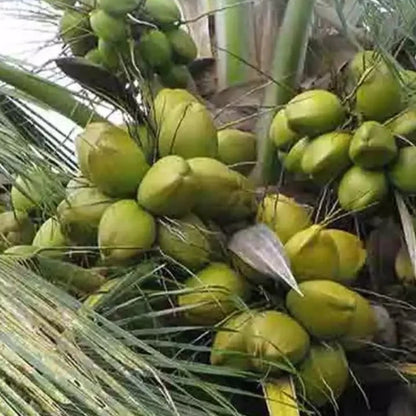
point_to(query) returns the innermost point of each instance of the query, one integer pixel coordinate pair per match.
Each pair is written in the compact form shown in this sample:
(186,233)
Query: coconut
(359,189)
(118,8)
(373,146)
(125,230)
(15,229)
(402,172)
(25,194)
(404,268)
(212,294)
(183,46)
(237,149)
(293,160)
(323,375)
(313,254)
(229,346)
(326,308)
(155,49)
(283,215)
(404,124)
(94,56)
(280,132)
(274,339)
(188,130)
(188,241)
(80,214)
(351,254)
(326,156)
(108,27)
(168,188)
(75,31)
(161,12)
(109,55)
(223,194)
(363,326)
(176,76)
(144,136)
(50,236)
(111,159)
(314,112)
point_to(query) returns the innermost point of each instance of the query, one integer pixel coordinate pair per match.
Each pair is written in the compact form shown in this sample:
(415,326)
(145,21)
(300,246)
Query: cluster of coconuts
(143,33)
(316,141)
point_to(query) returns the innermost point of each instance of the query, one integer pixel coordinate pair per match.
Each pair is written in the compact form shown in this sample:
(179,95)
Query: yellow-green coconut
(15,229)
(183,46)
(280,132)
(118,8)
(404,124)
(402,173)
(161,12)
(50,238)
(293,160)
(110,28)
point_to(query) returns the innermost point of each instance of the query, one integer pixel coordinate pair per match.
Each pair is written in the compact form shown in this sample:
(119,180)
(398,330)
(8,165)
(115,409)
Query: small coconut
(94,56)
(187,240)
(229,347)
(15,229)
(161,12)
(360,189)
(373,146)
(313,254)
(404,268)
(237,149)
(212,294)
(283,215)
(326,156)
(118,8)
(351,254)
(323,375)
(108,27)
(326,308)
(188,130)
(183,46)
(274,339)
(293,160)
(363,326)
(404,124)
(280,132)
(111,159)
(402,173)
(109,55)
(223,195)
(125,230)
(155,49)
(314,112)
(50,236)
(80,213)
(176,76)
(168,188)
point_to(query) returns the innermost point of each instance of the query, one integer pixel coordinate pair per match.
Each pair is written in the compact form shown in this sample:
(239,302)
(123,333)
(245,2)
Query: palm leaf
(280,397)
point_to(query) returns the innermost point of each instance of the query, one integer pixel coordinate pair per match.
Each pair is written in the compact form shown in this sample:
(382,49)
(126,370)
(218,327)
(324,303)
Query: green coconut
(145,138)
(373,146)
(363,326)
(313,254)
(108,27)
(25,193)
(161,12)
(94,56)
(168,188)
(155,49)
(188,241)
(75,31)
(274,339)
(125,231)
(212,294)
(50,236)
(80,213)
(283,215)
(360,189)
(314,112)
(351,254)
(323,375)
(293,160)
(223,194)
(237,149)
(326,156)
(118,8)
(402,173)
(404,268)
(15,229)
(326,308)
(109,54)
(111,159)
(183,46)
(230,347)
(188,130)
(404,124)
(176,76)
(280,132)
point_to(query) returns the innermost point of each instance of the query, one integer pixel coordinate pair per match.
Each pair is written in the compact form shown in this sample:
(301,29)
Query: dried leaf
(280,397)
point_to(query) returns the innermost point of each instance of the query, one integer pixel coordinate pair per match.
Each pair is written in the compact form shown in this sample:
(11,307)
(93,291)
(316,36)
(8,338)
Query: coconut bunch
(317,138)
(147,35)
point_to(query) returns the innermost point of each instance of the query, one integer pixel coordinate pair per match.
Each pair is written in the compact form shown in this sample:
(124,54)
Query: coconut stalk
(54,96)
(280,396)
(289,57)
